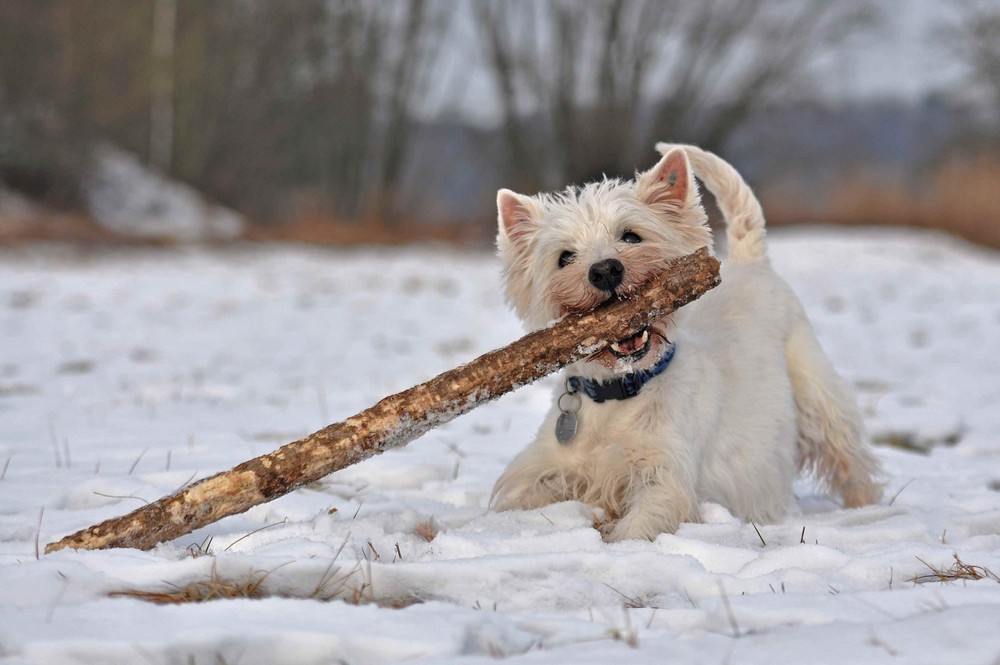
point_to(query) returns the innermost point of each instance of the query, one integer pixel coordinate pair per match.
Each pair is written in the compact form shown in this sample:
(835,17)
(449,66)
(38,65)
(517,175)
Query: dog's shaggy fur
(749,399)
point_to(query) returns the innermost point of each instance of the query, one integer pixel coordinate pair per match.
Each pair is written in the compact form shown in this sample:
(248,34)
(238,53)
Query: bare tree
(509,39)
(587,87)
(420,26)
(161,116)
(313,97)
(976,40)
(262,103)
(68,74)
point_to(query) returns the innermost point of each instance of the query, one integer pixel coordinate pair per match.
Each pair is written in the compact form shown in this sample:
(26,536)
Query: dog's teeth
(615,347)
(645,336)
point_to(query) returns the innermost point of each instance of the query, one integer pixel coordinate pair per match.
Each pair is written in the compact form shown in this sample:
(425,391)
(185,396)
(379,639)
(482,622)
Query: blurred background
(387,121)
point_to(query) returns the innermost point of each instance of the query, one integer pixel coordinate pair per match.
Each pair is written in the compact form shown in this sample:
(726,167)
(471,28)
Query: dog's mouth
(632,348)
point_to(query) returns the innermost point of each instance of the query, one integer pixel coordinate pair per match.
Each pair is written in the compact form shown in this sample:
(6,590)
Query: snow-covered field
(125,376)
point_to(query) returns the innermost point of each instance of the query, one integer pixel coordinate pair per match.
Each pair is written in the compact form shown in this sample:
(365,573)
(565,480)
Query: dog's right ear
(518,215)
(670,181)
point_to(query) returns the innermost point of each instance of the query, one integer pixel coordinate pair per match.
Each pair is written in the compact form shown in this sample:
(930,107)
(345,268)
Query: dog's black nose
(606,275)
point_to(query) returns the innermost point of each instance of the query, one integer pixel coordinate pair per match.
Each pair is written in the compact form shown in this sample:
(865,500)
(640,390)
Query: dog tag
(566,427)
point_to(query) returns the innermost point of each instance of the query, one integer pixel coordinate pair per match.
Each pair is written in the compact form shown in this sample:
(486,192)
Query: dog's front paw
(606,527)
(631,527)
(646,521)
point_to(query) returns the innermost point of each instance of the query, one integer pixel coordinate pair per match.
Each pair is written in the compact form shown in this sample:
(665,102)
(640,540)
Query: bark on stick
(400,418)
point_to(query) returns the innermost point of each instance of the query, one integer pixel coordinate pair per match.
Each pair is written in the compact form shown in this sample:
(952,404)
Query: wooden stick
(400,418)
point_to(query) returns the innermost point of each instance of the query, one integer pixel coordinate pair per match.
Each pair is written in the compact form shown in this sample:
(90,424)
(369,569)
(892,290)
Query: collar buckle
(616,389)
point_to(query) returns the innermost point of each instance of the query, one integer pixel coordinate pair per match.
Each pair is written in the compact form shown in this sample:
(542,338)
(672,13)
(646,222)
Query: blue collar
(624,386)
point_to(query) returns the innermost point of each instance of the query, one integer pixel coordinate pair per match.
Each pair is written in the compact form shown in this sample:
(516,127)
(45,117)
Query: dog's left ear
(517,214)
(670,181)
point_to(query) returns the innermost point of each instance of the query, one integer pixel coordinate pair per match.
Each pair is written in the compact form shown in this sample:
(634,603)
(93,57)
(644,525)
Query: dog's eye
(631,238)
(566,258)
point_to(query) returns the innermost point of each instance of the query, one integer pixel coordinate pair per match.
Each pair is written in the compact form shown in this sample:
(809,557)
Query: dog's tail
(741,209)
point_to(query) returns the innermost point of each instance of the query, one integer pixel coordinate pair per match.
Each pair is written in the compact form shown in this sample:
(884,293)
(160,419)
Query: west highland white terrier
(725,400)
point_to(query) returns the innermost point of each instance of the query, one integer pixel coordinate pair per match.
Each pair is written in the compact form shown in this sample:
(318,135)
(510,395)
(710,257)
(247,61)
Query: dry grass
(73,228)
(199,591)
(332,585)
(958,571)
(17,389)
(959,195)
(322,230)
(427,530)
(910,442)
(79,230)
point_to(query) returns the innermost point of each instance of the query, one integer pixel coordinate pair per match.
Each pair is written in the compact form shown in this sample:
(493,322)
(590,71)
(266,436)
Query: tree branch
(402,417)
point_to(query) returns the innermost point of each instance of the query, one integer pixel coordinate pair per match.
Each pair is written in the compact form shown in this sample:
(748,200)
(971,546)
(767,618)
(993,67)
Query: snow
(127,197)
(123,376)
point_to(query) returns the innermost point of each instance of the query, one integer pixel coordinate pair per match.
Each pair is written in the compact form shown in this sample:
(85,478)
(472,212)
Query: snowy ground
(123,377)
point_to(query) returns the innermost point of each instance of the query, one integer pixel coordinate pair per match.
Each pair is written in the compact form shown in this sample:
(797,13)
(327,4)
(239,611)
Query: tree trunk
(402,417)
(161,112)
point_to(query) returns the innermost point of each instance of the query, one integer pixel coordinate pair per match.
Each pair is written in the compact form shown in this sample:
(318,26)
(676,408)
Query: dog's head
(571,251)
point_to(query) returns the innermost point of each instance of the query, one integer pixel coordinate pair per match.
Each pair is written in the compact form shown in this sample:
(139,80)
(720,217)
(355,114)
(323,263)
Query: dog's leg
(659,498)
(831,439)
(534,478)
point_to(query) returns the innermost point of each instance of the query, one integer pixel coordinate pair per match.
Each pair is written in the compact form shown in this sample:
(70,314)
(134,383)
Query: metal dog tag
(568,423)
(566,427)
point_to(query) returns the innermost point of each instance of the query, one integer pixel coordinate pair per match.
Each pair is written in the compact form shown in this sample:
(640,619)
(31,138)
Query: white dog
(726,400)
